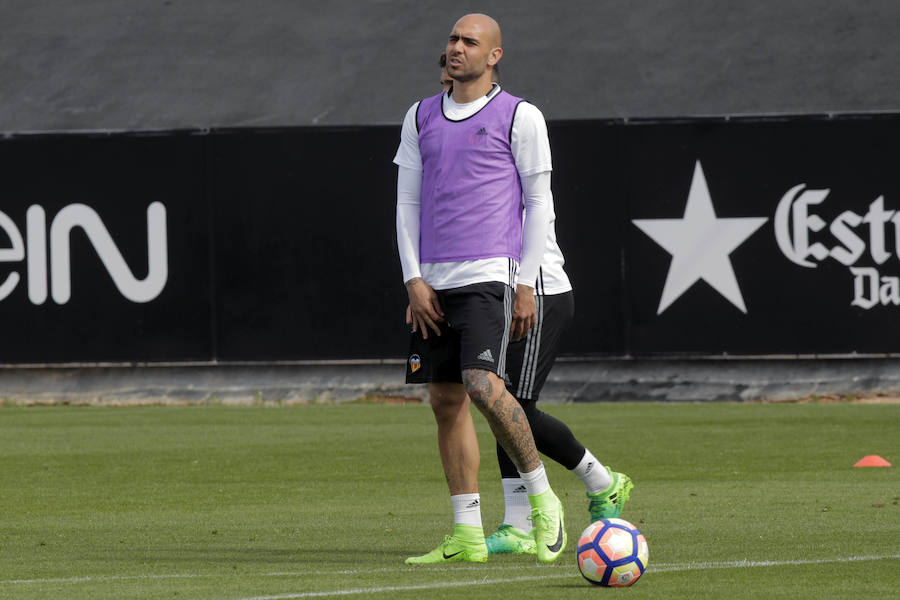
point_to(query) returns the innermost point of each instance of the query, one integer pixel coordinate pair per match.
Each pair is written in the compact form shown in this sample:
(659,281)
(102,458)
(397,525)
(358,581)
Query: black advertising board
(306,261)
(682,238)
(762,237)
(587,197)
(104,253)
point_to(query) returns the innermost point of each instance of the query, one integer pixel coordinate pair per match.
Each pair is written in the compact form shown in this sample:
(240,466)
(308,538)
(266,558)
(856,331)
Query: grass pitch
(736,500)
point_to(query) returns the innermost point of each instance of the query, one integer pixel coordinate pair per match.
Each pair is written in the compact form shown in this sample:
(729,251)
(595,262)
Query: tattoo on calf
(505,416)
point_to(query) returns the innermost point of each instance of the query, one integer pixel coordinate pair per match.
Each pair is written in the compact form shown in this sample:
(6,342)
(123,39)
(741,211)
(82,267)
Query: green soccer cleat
(609,504)
(465,545)
(510,540)
(549,525)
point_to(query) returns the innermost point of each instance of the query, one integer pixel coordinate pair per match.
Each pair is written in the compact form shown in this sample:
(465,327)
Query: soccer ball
(612,553)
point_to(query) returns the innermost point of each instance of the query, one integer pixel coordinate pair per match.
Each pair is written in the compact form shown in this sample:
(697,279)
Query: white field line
(455,568)
(662,568)
(89,578)
(653,568)
(407,588)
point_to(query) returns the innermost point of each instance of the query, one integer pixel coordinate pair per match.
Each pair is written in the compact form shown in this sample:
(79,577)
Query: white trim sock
(592,474)
(518,509)
(466,509)
(536,481)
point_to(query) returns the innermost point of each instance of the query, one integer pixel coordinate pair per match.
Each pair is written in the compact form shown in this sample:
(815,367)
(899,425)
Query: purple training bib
(471,191)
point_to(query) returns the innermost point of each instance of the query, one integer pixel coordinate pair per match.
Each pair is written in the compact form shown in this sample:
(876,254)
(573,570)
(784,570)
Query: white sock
(518,509)
(592,474)
(536,481)
(466,509)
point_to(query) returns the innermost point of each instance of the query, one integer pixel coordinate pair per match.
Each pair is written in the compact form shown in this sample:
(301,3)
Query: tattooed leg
(505,416)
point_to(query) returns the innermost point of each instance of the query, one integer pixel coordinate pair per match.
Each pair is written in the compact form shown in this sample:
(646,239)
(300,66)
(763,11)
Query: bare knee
(447,398)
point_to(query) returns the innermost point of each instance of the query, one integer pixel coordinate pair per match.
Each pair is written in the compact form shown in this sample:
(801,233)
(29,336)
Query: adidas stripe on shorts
(474,335)
(529,360)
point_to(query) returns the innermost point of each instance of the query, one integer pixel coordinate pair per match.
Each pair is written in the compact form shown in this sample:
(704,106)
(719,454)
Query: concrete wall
(873,380)
(140,64)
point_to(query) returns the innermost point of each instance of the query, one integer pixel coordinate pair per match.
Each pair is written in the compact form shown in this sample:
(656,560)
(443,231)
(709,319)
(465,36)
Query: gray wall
(105,64)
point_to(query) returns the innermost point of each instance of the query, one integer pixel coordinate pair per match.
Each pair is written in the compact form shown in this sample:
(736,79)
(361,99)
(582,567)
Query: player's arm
(536,192)
(424,310)
(531,149)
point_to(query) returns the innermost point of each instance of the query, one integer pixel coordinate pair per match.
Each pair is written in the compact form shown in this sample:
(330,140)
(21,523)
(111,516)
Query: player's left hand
(524,312)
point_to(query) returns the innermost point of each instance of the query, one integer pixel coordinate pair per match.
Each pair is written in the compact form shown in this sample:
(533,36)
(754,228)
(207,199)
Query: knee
(478,386)
(447,402)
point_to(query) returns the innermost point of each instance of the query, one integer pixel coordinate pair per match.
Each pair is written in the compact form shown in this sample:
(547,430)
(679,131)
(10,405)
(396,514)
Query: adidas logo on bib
(486,355)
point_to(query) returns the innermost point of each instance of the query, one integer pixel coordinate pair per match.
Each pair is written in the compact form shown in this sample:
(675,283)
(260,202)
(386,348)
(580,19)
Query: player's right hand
(524,312)
(424,307)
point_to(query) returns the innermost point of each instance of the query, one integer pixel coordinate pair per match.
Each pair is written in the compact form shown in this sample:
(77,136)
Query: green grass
(247,502)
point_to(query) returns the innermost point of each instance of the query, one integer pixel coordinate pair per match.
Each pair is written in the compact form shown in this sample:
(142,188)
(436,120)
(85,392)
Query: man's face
(468,50)
(446,81)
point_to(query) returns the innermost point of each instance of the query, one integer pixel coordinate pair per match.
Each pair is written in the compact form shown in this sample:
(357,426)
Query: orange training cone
(872,460)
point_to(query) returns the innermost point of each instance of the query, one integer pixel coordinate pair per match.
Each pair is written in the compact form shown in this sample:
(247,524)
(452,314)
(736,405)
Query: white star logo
(700,244)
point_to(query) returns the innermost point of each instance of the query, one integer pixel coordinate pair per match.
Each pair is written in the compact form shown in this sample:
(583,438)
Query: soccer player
(529,361)
(466,160)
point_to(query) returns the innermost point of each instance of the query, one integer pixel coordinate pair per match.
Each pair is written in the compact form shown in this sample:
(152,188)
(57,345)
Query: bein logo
(86,218)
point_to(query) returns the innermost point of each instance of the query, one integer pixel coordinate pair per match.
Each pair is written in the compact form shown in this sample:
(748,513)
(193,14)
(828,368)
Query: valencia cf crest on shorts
(415,363)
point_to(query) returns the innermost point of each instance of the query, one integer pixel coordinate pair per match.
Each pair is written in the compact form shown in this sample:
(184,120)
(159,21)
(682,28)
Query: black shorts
(474,335)
(529,360)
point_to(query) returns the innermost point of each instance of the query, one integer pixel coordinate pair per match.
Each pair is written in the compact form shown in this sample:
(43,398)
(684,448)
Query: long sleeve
(530,146)
(409,189)
(538,200)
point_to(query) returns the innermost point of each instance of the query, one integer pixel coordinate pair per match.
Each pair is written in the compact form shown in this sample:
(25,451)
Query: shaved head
(487,26)
(473,49)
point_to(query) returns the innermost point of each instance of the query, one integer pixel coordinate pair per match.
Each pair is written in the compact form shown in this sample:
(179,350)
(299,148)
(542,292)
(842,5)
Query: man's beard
(464,77)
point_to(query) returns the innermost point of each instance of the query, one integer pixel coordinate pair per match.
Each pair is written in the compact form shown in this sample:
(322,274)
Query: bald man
(529,361)
(467,159)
